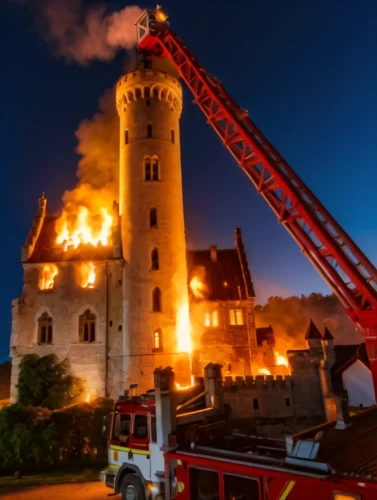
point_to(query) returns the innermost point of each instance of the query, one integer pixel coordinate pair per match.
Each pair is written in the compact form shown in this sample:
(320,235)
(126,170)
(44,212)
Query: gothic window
(45,329)
(157,340)
(236,317)
(151,168)
(156,300)
(149,131)
(154,259)
(153,217)
(87,327)
(155,169)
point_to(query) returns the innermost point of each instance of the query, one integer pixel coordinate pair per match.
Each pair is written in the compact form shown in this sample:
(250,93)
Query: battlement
(259,381)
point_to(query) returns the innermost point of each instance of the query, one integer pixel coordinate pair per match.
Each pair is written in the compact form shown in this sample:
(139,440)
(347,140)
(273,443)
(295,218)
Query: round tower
(155,294)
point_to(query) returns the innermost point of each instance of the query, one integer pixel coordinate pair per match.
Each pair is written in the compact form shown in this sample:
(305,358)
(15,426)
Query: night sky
(305,70)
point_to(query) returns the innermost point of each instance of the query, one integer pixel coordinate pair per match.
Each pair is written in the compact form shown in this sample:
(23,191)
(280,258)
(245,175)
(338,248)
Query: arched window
(153,217)
(87,327)
(154,259)
(147,168)
(45,329)
(155,168)
(157,340)
(156,300)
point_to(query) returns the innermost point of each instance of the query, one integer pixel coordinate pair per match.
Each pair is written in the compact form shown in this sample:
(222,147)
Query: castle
(122,307)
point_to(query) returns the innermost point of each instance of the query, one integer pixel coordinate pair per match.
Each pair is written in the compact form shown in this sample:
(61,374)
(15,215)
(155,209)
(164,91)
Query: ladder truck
(168,445)
(172,444)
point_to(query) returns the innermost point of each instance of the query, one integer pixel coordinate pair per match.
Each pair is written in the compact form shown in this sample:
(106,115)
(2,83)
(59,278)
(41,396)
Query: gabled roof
(312,332)
(46,249)
(346,355)
(223,277)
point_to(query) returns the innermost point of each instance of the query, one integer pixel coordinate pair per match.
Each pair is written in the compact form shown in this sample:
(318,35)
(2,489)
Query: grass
(53,477)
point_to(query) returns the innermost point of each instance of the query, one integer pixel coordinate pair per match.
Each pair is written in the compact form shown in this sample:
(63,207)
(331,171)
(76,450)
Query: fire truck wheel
(132,488)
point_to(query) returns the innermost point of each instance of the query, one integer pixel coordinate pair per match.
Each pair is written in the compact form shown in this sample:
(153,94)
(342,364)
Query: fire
(264,371)
(84,228)
(183,329)
(281,360)
(49,271)
(88,275)
(197,283)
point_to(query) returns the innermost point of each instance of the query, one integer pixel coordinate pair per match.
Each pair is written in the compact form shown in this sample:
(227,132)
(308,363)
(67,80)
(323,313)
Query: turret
(313,337)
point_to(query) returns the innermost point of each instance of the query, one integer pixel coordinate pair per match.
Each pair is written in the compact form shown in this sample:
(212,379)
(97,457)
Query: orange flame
(49,271)
(264,371)
(183,329)
(84,229)
(281,360)
(88,275)
(198,288)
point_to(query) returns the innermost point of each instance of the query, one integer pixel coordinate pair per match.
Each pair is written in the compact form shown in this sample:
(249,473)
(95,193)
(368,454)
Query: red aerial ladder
(344,267)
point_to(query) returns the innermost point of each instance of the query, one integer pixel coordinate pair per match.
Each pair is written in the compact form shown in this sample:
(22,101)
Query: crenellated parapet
(35,230)
(148,84)
(259,381)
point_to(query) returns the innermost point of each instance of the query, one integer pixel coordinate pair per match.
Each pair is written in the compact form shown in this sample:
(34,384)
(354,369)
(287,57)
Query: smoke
(83,34)
(98,168)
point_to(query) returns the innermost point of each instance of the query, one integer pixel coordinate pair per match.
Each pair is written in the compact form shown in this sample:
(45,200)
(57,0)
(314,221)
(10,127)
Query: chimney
(213,250)
(343,419)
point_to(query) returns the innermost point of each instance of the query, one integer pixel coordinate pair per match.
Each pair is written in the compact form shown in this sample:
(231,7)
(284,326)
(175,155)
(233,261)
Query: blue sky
(305,70)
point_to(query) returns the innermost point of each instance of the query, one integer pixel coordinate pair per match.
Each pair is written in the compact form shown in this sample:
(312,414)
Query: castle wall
(259,397)
(229,346)
(65,303)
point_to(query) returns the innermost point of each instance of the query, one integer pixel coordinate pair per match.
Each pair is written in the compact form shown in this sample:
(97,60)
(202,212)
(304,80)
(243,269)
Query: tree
(46,382)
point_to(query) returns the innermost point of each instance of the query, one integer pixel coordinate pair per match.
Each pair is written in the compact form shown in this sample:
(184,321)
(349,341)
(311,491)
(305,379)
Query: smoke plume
(83,34)
(98,168)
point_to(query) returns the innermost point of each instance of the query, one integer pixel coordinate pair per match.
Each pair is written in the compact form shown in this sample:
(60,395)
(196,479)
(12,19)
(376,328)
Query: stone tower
(155,294)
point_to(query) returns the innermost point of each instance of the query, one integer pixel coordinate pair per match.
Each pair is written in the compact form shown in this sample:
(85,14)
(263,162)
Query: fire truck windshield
(122,424)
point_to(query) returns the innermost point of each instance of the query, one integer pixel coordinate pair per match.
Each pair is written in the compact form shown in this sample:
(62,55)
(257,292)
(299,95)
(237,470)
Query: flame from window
(281,360)
(49,271)
(197,283)
(88,275)
(264,371)
(84,228)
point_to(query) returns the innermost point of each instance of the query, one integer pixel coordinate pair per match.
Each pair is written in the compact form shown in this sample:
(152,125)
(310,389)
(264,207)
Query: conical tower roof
(327,334)
(312,332)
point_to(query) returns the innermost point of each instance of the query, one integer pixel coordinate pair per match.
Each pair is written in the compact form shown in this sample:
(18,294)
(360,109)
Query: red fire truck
(174,444)
(164,446)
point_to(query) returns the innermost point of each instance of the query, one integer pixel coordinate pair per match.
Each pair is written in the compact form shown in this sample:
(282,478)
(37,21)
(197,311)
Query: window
(48,274)
(147,92)
(154,259)
(240,487)
(155,169)
(153,217)
(207,319)
(236,317)
(141,426)
(126,136)
(255,404)
(147,169)
(172,136)
(156,299)
(151,168)
(149,131)
(157,340)
(204,484)
(153,429)
(215,319)
(122,425)
(45,329)
(287,402)
(87,327)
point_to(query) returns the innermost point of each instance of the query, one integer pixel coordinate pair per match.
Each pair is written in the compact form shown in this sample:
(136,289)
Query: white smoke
(83,34)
